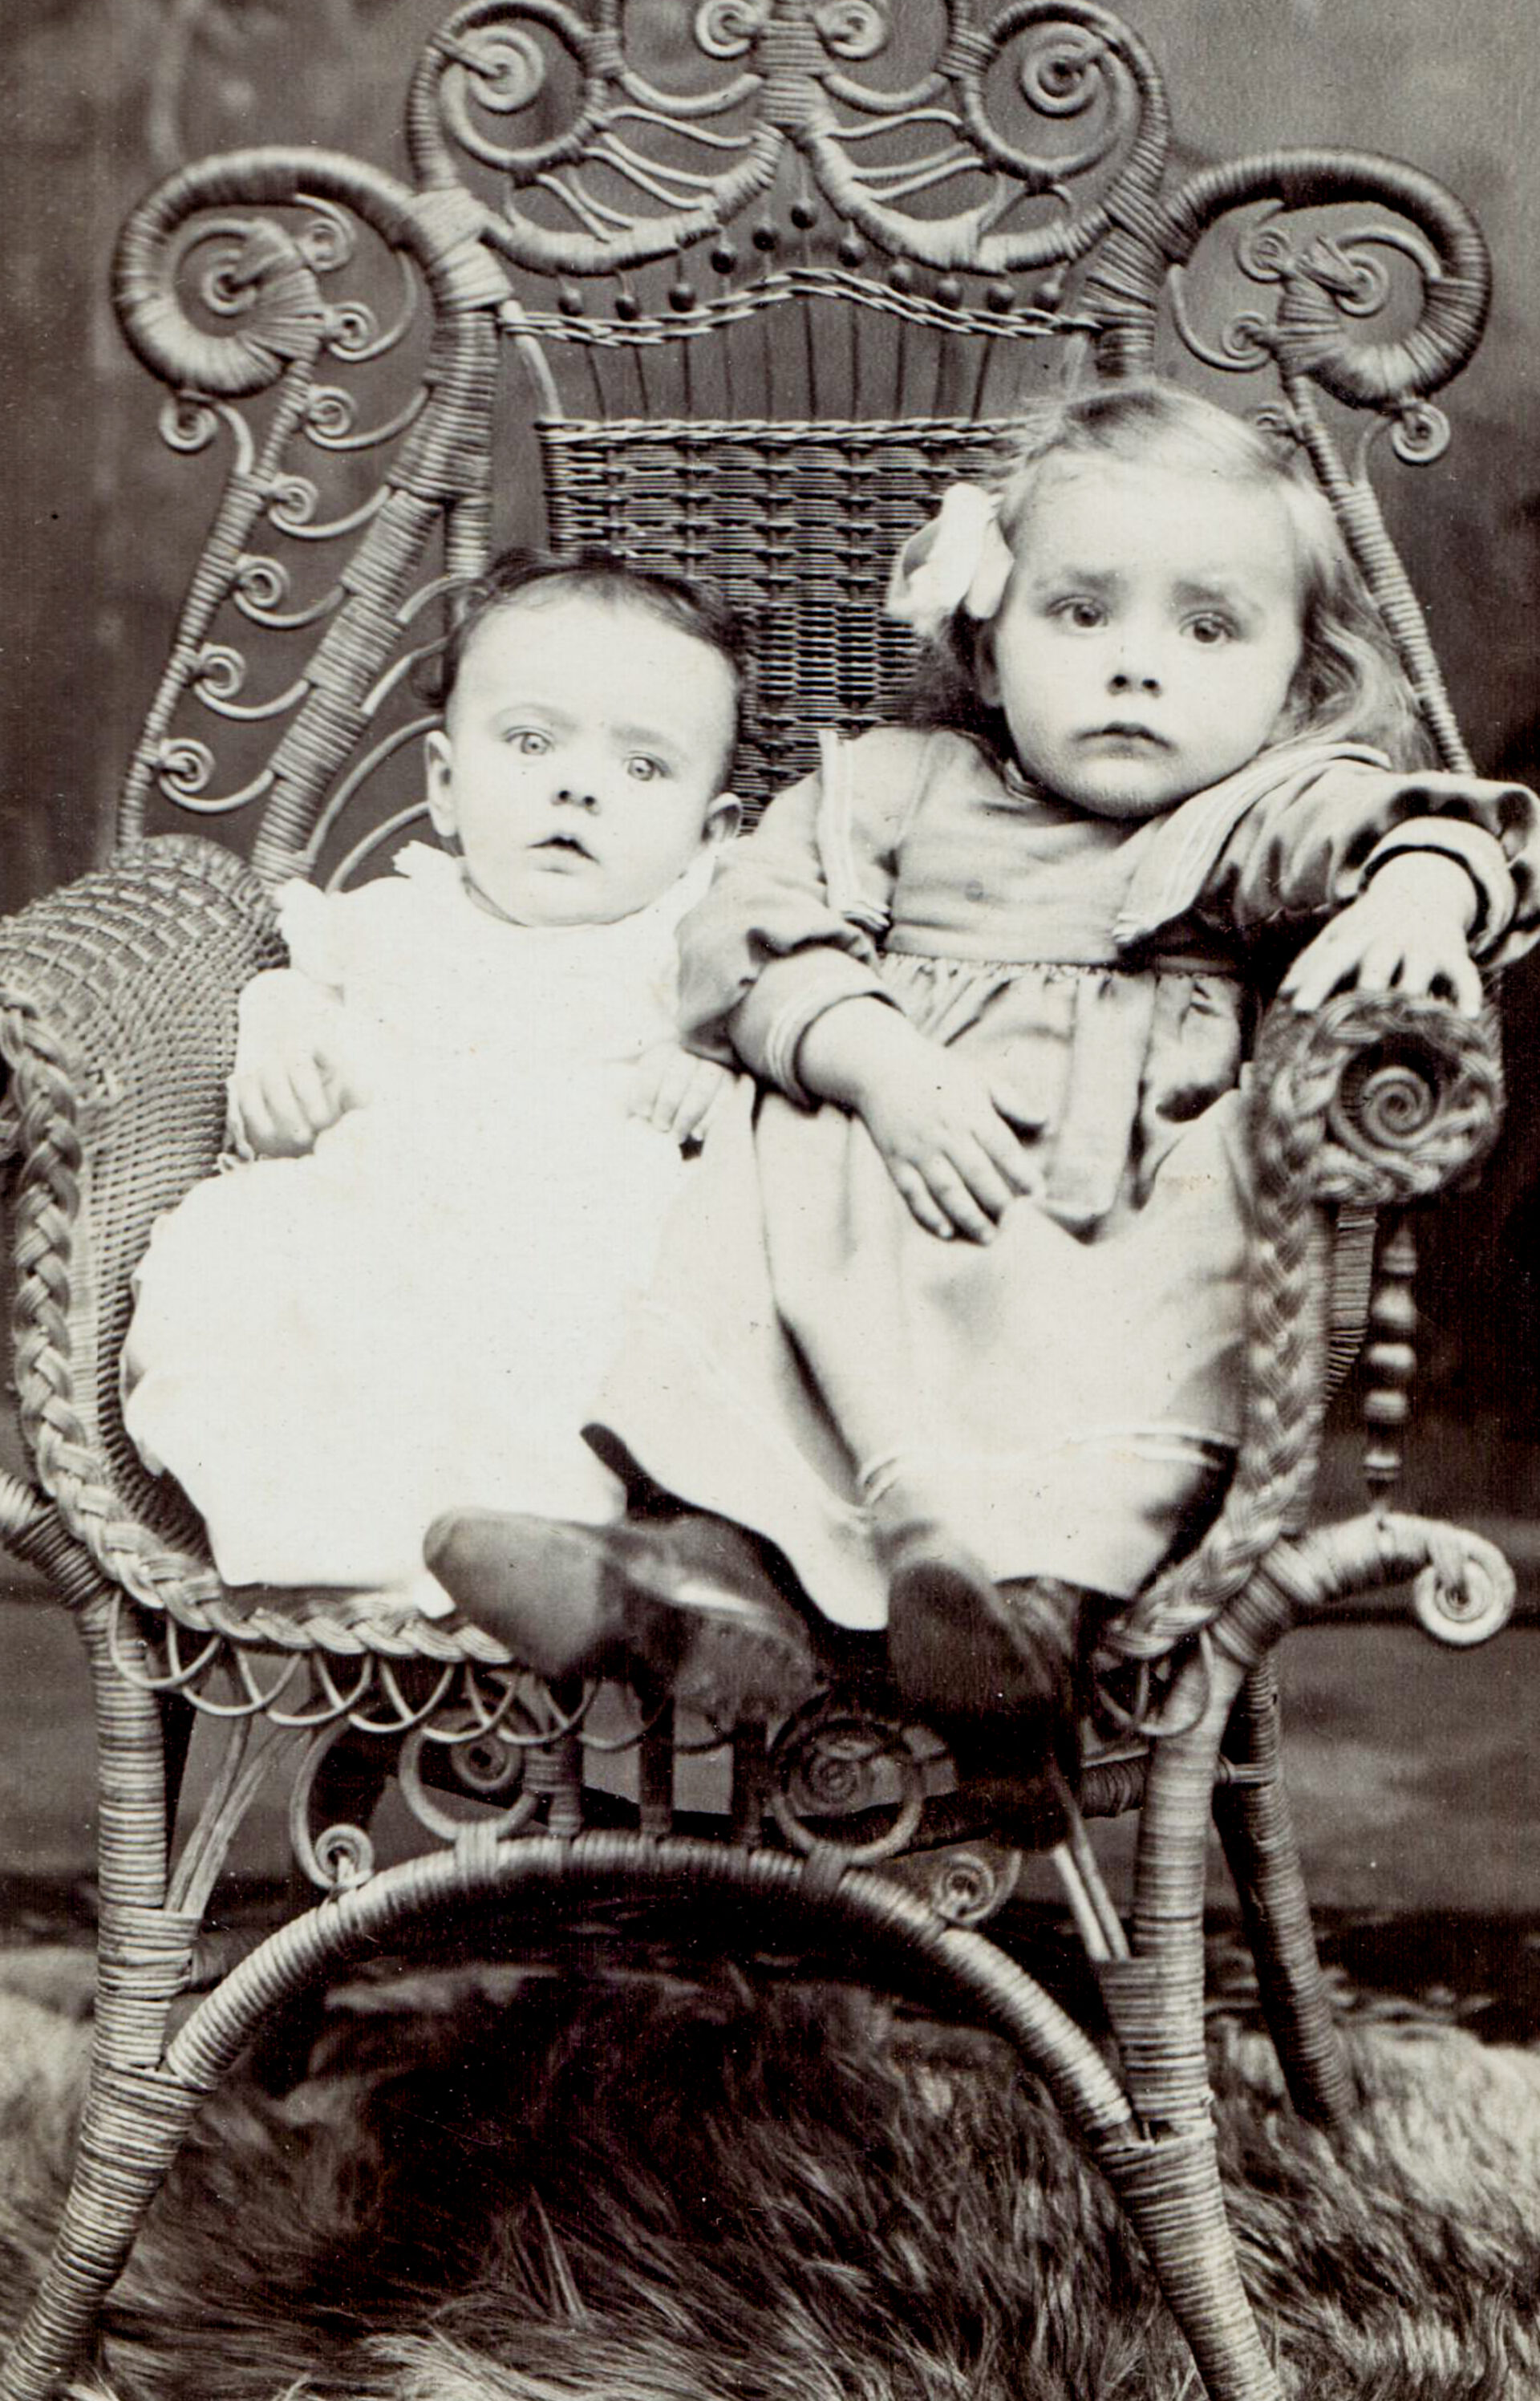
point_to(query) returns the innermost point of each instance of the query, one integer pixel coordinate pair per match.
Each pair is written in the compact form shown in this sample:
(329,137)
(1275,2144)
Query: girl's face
(1149,633)
(582,760)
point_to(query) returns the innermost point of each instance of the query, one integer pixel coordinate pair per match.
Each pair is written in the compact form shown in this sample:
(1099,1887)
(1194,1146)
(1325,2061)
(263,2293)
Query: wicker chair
(752,321)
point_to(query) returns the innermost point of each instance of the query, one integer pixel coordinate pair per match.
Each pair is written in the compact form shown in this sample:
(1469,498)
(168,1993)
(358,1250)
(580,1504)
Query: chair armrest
(1368,1102)
(1374,1102)
(117,1019)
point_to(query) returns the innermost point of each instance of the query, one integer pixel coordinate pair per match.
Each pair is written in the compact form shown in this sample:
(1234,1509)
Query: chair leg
(1170,2188)
(1257,1829)
(135,2115)
(131,2131)
(1170,2185)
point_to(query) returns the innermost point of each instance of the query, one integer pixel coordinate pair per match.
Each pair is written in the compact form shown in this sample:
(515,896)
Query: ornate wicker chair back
(770,277)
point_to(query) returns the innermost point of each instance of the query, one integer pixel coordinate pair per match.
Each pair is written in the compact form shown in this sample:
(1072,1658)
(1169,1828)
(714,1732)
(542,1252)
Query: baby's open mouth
(1121,732)
(566,841)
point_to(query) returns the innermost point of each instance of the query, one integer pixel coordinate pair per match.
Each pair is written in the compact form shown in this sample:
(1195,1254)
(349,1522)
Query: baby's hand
(676,1091)
(944,1127)
(279,1108)
(1405,933)
(292,1079)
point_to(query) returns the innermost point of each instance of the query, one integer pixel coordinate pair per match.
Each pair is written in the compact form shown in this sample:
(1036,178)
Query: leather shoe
(690,1601)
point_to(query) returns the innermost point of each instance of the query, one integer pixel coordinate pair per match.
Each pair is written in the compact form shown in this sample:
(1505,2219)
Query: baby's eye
(1077,610)
(1209,628)
(643,769)
(528,742)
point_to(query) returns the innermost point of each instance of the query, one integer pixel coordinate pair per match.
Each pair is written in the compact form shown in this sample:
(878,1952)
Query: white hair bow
(959,560)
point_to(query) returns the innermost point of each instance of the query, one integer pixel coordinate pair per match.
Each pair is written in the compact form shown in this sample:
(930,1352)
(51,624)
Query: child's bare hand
(1405,934)
(676,1091)
(944,1127)
(293,1078)
(281,1107)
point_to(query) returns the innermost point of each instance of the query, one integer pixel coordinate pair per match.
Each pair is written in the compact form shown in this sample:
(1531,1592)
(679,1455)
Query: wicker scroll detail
(1327,285)
(1003,150)
(229,308)
(997,122)
(844,1783)
(1366,1103)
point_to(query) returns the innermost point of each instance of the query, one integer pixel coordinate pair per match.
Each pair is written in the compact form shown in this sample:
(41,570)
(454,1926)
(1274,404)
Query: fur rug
(547,2190)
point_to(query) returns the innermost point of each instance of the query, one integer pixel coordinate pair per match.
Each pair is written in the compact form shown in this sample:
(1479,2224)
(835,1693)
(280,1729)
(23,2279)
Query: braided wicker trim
(710,314)
(1367,1103)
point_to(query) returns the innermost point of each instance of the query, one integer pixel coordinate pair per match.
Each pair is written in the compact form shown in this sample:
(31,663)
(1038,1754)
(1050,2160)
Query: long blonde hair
(1349,685)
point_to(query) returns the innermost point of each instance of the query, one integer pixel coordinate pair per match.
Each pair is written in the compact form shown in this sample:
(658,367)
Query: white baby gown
(328,1352)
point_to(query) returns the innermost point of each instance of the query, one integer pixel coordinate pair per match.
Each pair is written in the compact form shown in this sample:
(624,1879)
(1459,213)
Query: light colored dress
(328,1351)
(813,1365)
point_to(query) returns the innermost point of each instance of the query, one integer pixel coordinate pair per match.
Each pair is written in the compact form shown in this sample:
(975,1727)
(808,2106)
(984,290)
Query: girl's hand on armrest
(1405,933)
(676,1091)
(942,1124)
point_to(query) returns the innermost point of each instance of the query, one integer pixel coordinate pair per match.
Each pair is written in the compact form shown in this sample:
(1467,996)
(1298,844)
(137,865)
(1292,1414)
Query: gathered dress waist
(909,943)
(1109,1065)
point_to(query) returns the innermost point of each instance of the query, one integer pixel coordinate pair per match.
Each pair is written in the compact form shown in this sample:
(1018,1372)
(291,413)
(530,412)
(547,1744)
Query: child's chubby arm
(1407,932)
(945,1128)
(291,1077)
(676,1091)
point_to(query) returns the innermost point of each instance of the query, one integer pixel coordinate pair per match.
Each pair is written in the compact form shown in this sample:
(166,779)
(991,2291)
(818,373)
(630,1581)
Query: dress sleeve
(1306,854)
(792,922)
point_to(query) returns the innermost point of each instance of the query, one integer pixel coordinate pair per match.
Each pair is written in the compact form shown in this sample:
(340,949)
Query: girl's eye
(1085,616)
(643,769)
(528,743)
(1209,630)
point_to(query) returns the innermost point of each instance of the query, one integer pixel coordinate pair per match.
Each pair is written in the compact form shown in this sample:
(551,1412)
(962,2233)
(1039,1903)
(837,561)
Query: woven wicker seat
(742,336)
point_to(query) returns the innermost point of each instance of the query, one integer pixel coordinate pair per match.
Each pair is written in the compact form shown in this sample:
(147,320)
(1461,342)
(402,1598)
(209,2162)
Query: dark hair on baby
(596,573)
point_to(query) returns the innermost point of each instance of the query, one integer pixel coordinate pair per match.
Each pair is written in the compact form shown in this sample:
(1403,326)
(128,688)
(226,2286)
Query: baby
(950,1323)
(459,1111)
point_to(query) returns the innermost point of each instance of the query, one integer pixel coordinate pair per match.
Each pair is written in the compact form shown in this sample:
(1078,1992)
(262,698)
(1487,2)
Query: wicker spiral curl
(1369,1102)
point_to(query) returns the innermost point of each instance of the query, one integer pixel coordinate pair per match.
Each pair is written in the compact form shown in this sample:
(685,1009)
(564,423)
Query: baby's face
(583,758)
(1149,633)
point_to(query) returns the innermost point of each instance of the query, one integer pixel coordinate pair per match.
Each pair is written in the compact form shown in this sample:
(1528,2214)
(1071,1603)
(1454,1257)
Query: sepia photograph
(770,1191)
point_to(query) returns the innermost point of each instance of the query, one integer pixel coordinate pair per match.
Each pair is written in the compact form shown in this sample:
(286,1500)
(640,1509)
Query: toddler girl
(952,1318)
(460,1108)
